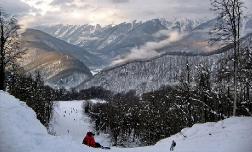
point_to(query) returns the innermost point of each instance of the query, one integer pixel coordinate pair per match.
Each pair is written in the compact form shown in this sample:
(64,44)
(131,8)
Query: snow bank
(20,131)
(230,135)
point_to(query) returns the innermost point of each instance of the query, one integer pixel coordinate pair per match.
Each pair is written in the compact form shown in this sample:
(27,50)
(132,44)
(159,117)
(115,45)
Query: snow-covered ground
(69,119)
(20,131)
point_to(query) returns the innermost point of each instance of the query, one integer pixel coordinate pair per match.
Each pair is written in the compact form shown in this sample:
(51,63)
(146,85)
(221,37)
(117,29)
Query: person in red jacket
(90,141)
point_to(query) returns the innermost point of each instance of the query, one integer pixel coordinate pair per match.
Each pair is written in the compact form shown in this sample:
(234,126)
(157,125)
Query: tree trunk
(2,77)
(235,81)
(2,66)
(247,91)
(2,56)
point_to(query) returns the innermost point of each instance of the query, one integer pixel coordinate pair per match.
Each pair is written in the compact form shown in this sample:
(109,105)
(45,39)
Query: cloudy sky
(37,12)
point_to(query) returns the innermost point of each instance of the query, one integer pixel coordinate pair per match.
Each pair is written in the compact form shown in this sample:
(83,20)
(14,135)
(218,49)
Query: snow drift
(22,132)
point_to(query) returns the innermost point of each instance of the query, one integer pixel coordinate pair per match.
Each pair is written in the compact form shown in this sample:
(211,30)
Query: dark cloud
(14,7)
(120,1)
(60,2)
(39,2)
(70,5)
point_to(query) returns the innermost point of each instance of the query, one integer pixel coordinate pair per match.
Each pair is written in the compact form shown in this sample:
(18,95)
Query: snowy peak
(117,41)
(197,41)
(112,41)
(181,25)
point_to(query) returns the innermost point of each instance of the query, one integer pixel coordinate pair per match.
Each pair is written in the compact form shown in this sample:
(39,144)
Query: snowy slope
(69,119)
(231,135)
(22,132)
(145,75)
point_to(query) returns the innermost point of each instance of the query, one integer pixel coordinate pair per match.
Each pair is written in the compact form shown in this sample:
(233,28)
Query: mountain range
(98,47)
(146,75)
(112,41)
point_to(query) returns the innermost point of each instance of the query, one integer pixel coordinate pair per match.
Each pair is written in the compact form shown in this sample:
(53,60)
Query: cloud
(150,49)
(106,11)
(25,22)
(59,2)
(120,1)
(14,6)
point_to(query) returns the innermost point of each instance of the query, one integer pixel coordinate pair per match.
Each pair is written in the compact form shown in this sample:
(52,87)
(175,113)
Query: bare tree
(227,29)
(9,44)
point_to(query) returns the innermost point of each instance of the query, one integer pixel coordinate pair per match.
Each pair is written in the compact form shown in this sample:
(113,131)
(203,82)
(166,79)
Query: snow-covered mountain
(198,40)
(61,64)
(181,24)
(148,75)
(21,131)
(62,47)
(117,40)
(144,75)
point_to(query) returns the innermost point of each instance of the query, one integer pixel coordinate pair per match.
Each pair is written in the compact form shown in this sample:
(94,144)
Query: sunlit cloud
(37,12)
(69,12)
(149,49)
(41,6)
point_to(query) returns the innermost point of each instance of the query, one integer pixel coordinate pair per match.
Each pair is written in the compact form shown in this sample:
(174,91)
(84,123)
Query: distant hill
(151,74)
(55,59)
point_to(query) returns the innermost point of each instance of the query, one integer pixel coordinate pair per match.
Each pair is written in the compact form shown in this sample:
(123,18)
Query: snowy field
(70,120)
(22,132)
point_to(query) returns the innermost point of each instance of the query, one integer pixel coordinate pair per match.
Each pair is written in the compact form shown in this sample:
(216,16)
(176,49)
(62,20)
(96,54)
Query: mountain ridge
(151,74)
(44,53)
(110,41)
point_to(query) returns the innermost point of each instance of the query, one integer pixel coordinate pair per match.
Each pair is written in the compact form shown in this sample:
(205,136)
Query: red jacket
(89,140)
